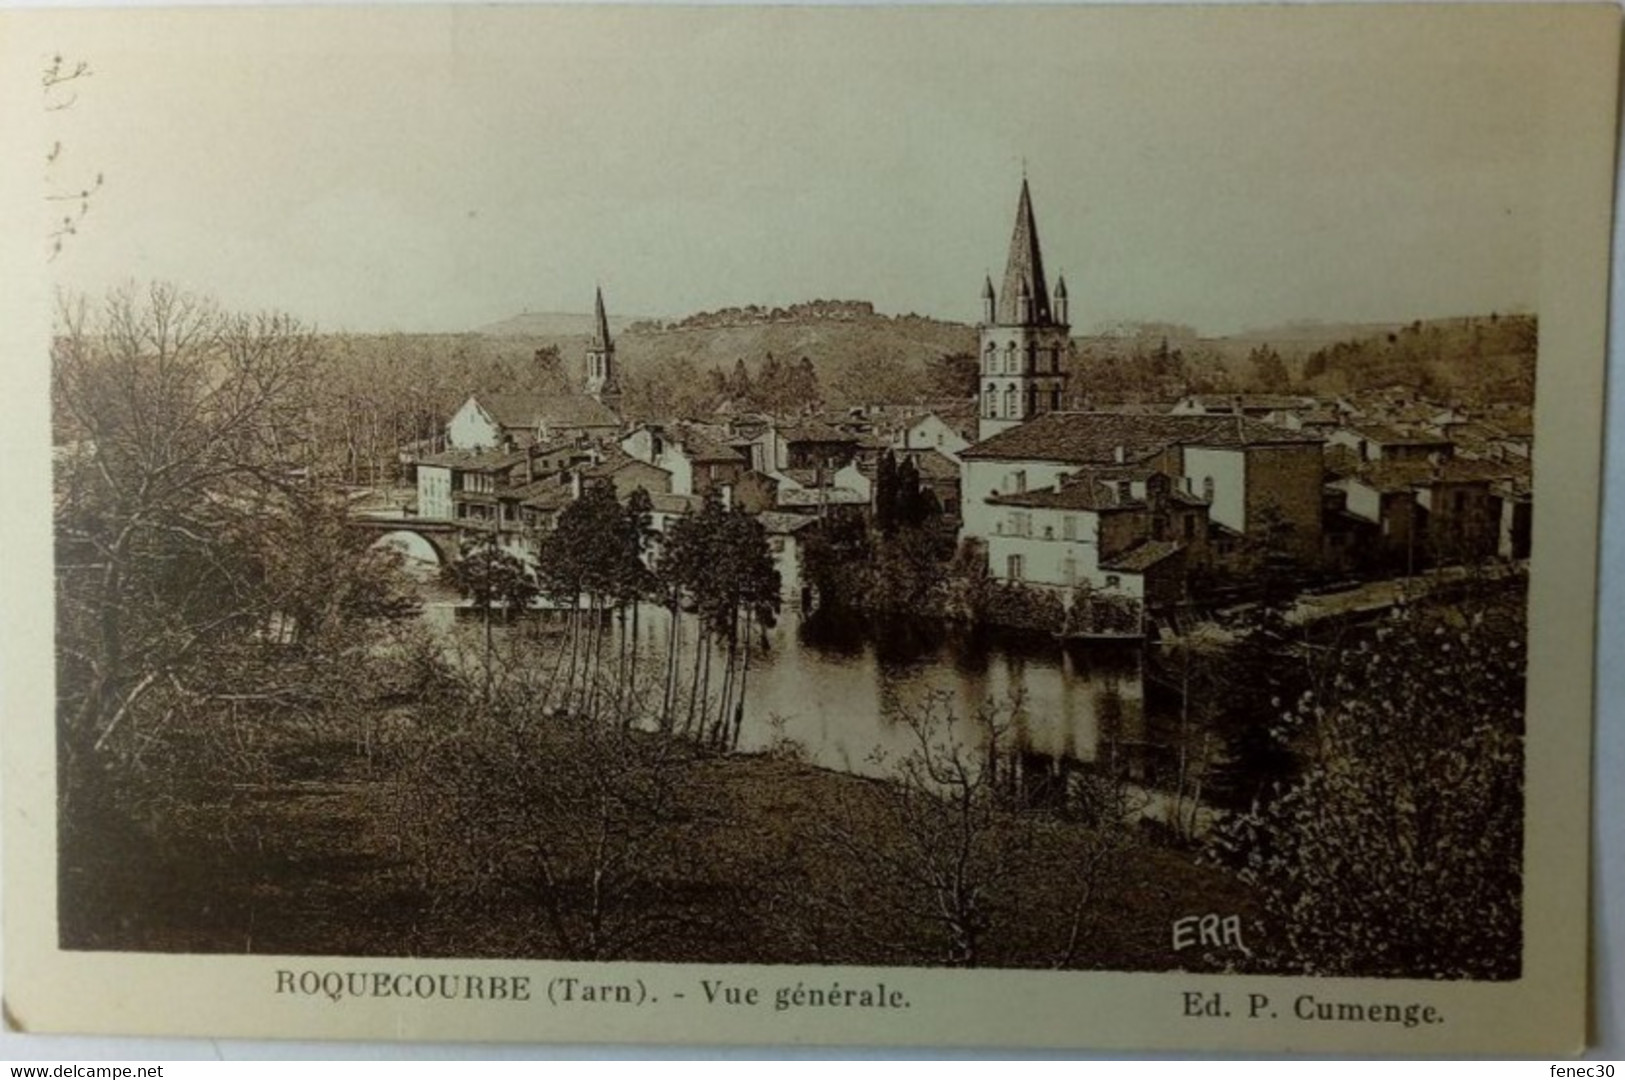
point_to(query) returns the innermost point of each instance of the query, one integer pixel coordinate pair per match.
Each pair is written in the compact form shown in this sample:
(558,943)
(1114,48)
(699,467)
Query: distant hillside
(873,358)
(694,364)
(1306,334)
(667,366)
(550,324)
(1470,358)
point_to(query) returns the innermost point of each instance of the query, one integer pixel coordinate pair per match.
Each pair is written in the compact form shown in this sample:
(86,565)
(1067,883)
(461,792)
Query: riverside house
(1138,491)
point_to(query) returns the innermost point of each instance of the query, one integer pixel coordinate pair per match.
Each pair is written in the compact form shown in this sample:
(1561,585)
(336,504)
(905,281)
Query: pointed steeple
(602,381)
(1024,270)
(600,322)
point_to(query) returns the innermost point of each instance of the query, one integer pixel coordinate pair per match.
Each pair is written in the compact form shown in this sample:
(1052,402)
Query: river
(837,689)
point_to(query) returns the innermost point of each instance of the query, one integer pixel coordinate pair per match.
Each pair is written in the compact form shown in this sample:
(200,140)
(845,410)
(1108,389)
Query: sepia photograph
(688,509)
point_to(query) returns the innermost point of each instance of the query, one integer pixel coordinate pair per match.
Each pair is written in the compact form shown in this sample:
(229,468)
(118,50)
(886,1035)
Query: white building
(784,536)
(1249,477)
(491,421)
(1109,530)
(932,432)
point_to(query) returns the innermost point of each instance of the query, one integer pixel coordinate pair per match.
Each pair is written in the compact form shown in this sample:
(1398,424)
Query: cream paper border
(1544,1012)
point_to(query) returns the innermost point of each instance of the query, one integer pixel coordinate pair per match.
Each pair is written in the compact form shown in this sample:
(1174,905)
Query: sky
(443,168)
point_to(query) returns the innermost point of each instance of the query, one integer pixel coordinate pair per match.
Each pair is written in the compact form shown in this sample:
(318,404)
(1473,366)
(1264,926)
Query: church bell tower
(1024,335)
(602,381)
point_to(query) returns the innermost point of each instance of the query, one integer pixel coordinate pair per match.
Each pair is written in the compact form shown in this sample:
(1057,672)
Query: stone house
(1257,481)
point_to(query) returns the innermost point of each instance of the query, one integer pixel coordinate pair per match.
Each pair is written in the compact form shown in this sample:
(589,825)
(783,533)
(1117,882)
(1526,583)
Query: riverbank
(339,848)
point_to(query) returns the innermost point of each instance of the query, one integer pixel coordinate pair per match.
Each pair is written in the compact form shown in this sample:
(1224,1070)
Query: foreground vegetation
(471,831)
(261,751)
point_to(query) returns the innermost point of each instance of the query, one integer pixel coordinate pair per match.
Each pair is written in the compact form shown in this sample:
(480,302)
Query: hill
(682,366)
(862,360)
(1468,358)
(550,324)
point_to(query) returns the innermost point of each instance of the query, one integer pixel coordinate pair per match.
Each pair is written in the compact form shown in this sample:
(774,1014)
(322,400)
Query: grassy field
(481,840)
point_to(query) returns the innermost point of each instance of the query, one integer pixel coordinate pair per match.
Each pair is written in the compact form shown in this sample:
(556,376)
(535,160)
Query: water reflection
(837,687)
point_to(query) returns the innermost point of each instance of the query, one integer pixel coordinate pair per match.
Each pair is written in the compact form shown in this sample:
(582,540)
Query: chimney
(575,483)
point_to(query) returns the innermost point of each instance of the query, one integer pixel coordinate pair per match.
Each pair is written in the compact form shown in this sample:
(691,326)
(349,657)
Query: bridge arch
(417,547)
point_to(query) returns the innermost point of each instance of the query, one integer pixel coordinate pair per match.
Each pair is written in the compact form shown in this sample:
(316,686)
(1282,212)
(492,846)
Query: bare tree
(945,852)
(177,423)
(59,81)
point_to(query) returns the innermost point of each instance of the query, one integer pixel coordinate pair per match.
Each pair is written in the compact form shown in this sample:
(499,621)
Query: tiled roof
(1089,438)
(475,460)
(1134,408)
(814,431)
(702,446)
(1084,494)
(615,459)
(549,494)
(1251,402)
(933,464)
(1389,435)
(1139,559)
(666,503)
(556,410)
(830,496)
(1341,461)
(776,521)
(1392,476)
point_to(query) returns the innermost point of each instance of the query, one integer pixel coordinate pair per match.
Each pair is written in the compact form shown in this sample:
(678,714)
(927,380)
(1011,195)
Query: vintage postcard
(1049,526)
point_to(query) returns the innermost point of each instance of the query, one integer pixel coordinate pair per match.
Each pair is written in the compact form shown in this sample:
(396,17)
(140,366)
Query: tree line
(199,574)
(598,568)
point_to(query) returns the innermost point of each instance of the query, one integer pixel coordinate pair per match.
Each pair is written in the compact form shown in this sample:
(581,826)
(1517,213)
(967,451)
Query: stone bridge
(416,536)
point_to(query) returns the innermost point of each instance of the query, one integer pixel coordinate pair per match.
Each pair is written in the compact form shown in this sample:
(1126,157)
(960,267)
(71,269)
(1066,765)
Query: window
(1055,399)
(1069,570)
(1125,491)
(1113,581)
(1014,567)
(1049,532)
(1190,526)
(1018,480)
(1010,402)
(1207,488)
(1069,528)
